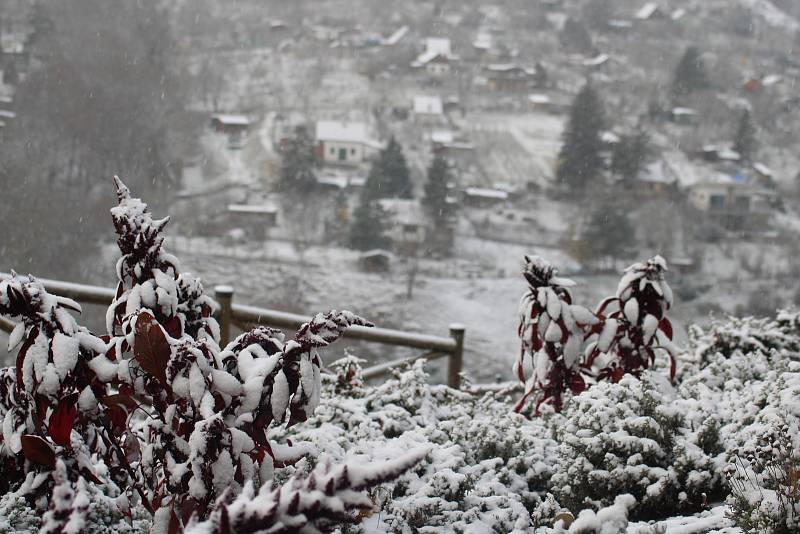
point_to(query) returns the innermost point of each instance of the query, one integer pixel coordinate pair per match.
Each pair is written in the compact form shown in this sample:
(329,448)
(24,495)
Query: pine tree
(745,140)
(367,230)
(580,160)
(690,74)
(440,209)
(297,167)
(436,192)
(389,177)
(630,155)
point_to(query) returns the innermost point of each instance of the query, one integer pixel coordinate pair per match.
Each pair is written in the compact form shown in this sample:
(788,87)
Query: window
(716,202)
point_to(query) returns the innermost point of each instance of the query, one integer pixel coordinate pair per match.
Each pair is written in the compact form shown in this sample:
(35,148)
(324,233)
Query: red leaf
(173,327)
(666,326)
(577,384)
(62,419)
(617,374)
(673,367)
(151,349)
(38,451)
(174,526)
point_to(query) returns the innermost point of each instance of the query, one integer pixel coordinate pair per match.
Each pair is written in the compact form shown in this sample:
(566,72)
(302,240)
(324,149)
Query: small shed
(481,197)
(376,261)
(230,123)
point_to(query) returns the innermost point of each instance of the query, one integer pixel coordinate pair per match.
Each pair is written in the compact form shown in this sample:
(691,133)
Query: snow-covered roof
(596,61)
(762,169)
(431,105)
(442,136)
(486,193)
(264,209)
(619,23)
(678,14)
(341,131)
(5,114)
(539,99)
(772,79)
(440,45)
(483,41)
(609,137)
(435,47)
(375,252)
(231,119)
(647,11)
(396,37)
(684,111)
(656,172)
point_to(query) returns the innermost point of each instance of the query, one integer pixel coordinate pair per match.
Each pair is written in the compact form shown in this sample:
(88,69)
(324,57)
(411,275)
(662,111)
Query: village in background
(399,158)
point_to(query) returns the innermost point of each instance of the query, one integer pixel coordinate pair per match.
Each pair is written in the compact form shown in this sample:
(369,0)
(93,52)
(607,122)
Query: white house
(436,56)
(428,109)
(407,226)
(736,202)
(344,142)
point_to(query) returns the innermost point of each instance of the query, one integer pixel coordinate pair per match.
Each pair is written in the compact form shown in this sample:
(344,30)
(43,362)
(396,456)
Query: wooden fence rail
(244,316)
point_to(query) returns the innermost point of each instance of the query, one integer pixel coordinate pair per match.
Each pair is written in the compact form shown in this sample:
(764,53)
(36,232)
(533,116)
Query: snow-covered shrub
(487,471)
(623,335)
(765,483)
(155,413)
(747,335)
(630,437)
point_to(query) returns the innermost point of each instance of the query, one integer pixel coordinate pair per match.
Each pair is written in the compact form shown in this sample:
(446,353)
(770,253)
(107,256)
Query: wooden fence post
(456,360)
(224,295)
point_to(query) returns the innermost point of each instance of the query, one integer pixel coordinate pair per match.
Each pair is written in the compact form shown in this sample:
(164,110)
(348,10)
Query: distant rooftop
(342,131)
(428,104)
(231,119)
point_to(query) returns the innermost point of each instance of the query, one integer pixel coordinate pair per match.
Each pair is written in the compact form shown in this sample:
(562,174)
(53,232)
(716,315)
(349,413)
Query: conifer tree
(690,74)
(436,202)
(580,160)
(745,140)
(389,177)
(630,155)
(367,229)
(298,164)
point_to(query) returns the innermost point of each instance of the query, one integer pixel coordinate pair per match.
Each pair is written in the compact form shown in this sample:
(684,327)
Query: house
(428,110)
(436,57)
(508,77)
(230,123)
(737,203)
(478,197)
(255,219)
(342,142)
(407,228)
(655,180)
(682,115)
(550,103)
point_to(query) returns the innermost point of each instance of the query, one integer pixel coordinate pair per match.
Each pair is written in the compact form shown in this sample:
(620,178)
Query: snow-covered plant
(637,325)
(623,334)
(765,483)
(552,330)
(172,422)
(347,373)
(48,400)
(630,437)
(746,335)
(309,504)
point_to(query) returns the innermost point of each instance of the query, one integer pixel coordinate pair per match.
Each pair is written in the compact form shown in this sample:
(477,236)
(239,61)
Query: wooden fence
(244,317)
